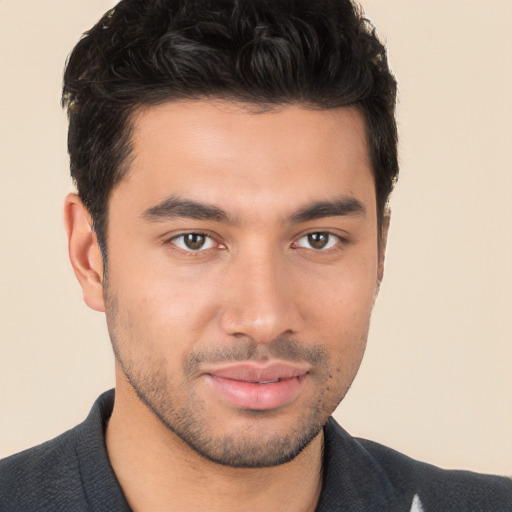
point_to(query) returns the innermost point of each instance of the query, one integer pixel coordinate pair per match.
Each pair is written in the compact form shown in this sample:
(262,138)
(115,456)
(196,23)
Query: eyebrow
(173,207)
(336,208)
(176,207)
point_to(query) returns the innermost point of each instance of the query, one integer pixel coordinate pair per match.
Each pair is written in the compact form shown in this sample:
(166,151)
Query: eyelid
(170,240)
(341,240)
(208,242)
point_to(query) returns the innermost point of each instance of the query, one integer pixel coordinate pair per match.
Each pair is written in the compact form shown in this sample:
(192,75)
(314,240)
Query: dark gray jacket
(72,473)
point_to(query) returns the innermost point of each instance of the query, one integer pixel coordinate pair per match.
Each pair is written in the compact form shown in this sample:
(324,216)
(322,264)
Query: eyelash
(338,244)
(190,252)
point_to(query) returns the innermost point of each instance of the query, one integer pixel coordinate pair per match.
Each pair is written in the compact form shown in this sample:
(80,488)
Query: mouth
(258,387)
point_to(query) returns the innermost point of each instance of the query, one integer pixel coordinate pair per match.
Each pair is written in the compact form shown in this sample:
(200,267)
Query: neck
(158,471)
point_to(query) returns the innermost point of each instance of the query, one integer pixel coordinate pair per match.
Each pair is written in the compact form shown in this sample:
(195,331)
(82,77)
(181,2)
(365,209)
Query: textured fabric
(364,476)
(72,473)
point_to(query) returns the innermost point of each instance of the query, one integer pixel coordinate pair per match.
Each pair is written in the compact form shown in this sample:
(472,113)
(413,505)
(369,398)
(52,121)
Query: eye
(317,241)
(193,242)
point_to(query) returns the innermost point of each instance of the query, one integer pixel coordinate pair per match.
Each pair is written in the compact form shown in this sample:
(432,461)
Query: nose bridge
(258,296)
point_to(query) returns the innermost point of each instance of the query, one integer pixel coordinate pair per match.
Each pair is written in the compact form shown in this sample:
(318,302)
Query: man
(233,162)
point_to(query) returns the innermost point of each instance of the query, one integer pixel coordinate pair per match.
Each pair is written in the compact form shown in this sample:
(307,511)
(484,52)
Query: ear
(384,229)
(84,251)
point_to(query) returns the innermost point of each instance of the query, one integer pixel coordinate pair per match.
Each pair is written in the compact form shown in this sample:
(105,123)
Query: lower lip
(250,395)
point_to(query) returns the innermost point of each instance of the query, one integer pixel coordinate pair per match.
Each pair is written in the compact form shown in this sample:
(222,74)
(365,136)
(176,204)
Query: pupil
(318,240)
(194,241)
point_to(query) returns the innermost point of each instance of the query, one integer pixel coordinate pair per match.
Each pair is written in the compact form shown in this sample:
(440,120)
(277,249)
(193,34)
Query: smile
(249,386)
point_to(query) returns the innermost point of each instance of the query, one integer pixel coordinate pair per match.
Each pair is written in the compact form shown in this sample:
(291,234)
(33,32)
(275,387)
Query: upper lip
(257,372)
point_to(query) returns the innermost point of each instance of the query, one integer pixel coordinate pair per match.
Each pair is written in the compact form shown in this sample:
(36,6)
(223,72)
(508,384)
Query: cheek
(343,299)
(161,307)
(342,311)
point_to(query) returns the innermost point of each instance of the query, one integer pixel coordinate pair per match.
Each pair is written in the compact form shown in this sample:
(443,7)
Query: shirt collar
(354,480)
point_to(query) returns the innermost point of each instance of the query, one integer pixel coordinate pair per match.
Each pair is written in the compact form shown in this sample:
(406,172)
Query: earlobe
(384,229)
(84,251)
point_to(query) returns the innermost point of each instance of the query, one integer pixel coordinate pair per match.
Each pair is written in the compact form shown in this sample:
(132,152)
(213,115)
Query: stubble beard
(237,449)
(250,448)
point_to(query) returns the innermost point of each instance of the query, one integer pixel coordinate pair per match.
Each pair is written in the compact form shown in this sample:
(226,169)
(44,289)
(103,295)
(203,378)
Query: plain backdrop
(436,382)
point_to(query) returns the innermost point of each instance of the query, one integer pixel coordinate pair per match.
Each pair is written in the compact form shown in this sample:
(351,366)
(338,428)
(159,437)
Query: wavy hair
(320,53)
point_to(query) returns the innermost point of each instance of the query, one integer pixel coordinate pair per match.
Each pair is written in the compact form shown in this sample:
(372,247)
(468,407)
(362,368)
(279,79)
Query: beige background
(437,381)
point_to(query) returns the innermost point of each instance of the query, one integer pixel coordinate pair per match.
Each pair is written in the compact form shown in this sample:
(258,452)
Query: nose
(260,299)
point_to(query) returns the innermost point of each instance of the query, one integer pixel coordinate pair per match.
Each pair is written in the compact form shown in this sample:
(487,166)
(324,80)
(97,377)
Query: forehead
(224,152)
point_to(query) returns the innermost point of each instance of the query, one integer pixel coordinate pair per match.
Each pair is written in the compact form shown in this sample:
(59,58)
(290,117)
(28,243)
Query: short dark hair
(320,53)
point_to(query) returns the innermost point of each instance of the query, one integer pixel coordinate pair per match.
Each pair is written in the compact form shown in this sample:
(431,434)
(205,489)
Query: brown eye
(193,242)
(317,241)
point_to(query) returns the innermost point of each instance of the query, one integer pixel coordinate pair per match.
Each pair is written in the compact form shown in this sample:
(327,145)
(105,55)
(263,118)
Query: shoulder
(441,489)
(30,480)
(410,481)
(70,472)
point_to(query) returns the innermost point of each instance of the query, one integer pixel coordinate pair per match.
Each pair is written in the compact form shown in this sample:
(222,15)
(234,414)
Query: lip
(256,386)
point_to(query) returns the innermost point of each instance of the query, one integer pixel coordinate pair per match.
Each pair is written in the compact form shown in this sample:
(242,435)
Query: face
(242,270)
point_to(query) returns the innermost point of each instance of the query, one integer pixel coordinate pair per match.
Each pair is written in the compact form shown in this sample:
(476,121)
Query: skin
(261,289)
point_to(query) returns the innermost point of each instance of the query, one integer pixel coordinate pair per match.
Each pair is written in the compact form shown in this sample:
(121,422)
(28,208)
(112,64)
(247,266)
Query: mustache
(281,347)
